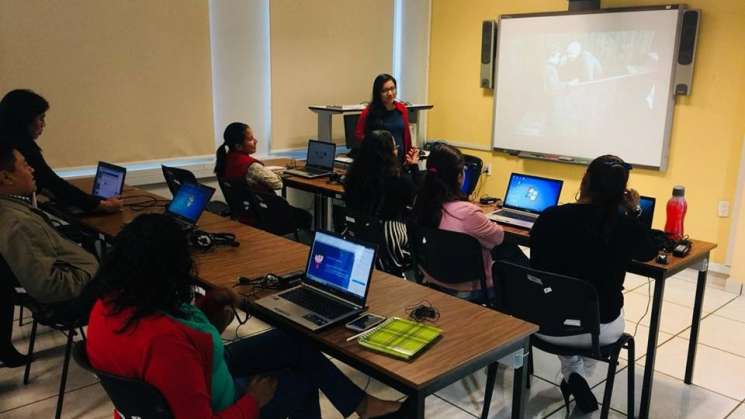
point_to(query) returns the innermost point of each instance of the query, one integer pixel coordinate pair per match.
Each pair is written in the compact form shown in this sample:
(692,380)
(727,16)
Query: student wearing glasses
(22,121)
(386,113)
(593,240)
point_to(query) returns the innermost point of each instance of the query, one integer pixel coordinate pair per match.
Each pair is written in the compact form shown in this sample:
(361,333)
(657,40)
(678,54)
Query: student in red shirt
(144,326)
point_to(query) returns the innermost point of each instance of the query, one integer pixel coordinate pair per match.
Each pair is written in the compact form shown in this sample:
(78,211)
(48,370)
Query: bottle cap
(679,190)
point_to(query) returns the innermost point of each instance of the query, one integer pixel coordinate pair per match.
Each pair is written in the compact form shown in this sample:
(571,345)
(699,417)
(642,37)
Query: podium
(326,112)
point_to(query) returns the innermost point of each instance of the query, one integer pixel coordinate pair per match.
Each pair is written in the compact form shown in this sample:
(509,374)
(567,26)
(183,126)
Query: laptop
(526,198)
(109,181)
(334,286)
(189,203)
(647,203)
(320,160)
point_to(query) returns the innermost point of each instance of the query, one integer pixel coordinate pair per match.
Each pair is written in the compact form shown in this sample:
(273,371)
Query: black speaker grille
(688,37)
(486,42)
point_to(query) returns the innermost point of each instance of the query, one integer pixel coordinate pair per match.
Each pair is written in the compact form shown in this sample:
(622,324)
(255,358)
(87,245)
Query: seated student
(593,240)
(441,204)
(52,269)
(22,121)
(143,326)
(234,160)
(377,185)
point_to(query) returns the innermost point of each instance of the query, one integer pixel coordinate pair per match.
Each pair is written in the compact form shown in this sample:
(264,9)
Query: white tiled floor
(718,391)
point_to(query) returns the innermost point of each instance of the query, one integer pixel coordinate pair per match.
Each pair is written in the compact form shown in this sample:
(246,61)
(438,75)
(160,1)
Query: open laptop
(647,203)
(189,203)
(526,198)
(109,181)
(334,286)
(320,160)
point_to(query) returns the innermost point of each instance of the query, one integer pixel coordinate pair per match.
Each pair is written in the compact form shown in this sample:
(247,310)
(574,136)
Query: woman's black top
(391,201)
(570,240)
(47,180)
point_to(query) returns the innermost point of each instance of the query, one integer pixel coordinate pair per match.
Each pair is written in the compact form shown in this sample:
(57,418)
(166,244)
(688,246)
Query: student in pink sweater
(440,204)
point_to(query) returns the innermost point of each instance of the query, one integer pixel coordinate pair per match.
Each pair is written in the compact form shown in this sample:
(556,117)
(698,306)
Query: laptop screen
(189,202)
(647,204)
(340,266)
(531,193)
(109,180)
(321,154)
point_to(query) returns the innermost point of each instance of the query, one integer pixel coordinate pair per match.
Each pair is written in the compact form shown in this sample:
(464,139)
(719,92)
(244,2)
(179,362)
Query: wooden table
(473,336)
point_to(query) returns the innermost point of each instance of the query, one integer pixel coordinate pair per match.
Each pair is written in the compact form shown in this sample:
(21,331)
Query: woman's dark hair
(233,136)
(441,185)
(375,117)
(18,109)
(365,180)
(149,269)
(604,185)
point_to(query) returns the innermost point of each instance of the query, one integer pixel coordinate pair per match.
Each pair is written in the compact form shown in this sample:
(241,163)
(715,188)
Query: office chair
(550,300)
(132,398)
(264,210)
(450,257)
(50,316)
(372,230)
(176,176)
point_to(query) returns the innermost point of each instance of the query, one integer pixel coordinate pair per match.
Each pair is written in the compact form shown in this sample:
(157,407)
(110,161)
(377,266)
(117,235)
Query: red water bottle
(676,212)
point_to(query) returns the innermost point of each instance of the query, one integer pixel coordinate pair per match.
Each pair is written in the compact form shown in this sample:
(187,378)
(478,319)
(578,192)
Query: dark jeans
(8,352)
(301,371)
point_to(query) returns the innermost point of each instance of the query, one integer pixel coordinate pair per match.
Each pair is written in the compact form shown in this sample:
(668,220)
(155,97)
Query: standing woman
(593,240)
(22,121)
(386,113)
(376,185)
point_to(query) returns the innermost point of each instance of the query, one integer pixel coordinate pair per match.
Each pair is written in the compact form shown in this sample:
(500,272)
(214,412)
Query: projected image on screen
(605,89)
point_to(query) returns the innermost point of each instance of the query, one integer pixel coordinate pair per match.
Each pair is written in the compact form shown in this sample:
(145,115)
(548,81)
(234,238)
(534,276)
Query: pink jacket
(465,217)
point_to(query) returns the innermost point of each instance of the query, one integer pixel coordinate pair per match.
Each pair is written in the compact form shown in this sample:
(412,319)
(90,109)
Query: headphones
(201,240)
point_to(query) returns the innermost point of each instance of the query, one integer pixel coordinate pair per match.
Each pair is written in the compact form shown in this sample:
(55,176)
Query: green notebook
(400,338)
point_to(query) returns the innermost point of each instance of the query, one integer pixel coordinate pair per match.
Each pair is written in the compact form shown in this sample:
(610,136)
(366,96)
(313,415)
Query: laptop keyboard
(309,300)
(315,171)
(516,215)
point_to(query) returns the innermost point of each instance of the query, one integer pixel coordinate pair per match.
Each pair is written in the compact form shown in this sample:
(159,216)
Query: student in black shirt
(22,121)
(593,240)
(377,185)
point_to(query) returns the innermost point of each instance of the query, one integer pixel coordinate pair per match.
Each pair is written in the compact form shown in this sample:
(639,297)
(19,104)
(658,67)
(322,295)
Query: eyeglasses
(390,89)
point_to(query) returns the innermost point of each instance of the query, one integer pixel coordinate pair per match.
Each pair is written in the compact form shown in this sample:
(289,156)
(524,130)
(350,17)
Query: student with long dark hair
(234,159)
(386,113)
(378,186)
(144,326)
(22,121)
(593,240)
(441,204)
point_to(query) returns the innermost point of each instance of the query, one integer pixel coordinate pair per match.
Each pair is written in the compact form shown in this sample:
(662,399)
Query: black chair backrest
(559,304)
(176,176)
(132,398)
(274,213)
(448,256)
(236,193)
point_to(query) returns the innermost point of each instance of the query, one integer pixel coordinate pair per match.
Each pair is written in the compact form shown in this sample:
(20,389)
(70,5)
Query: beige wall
(127,80)
(738,251)
(708,126)
(324,52)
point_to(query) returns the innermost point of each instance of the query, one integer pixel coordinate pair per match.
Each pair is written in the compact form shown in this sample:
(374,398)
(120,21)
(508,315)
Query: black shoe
(565,392)
(14,360)
(586,401)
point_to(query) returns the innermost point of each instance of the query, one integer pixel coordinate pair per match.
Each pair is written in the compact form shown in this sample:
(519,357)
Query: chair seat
(588,352)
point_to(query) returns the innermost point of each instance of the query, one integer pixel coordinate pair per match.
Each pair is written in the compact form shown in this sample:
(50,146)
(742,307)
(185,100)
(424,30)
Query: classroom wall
(324,52)
(708,126)
(127,80)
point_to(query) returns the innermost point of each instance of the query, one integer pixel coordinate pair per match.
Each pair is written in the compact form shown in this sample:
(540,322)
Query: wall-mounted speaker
(686,51)
(488,44)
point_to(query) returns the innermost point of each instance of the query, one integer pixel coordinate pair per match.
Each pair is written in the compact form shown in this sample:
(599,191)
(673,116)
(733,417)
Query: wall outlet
(487,169)
(723,209)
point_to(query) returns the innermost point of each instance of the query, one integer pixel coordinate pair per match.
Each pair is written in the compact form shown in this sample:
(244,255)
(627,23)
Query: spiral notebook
(400,338)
